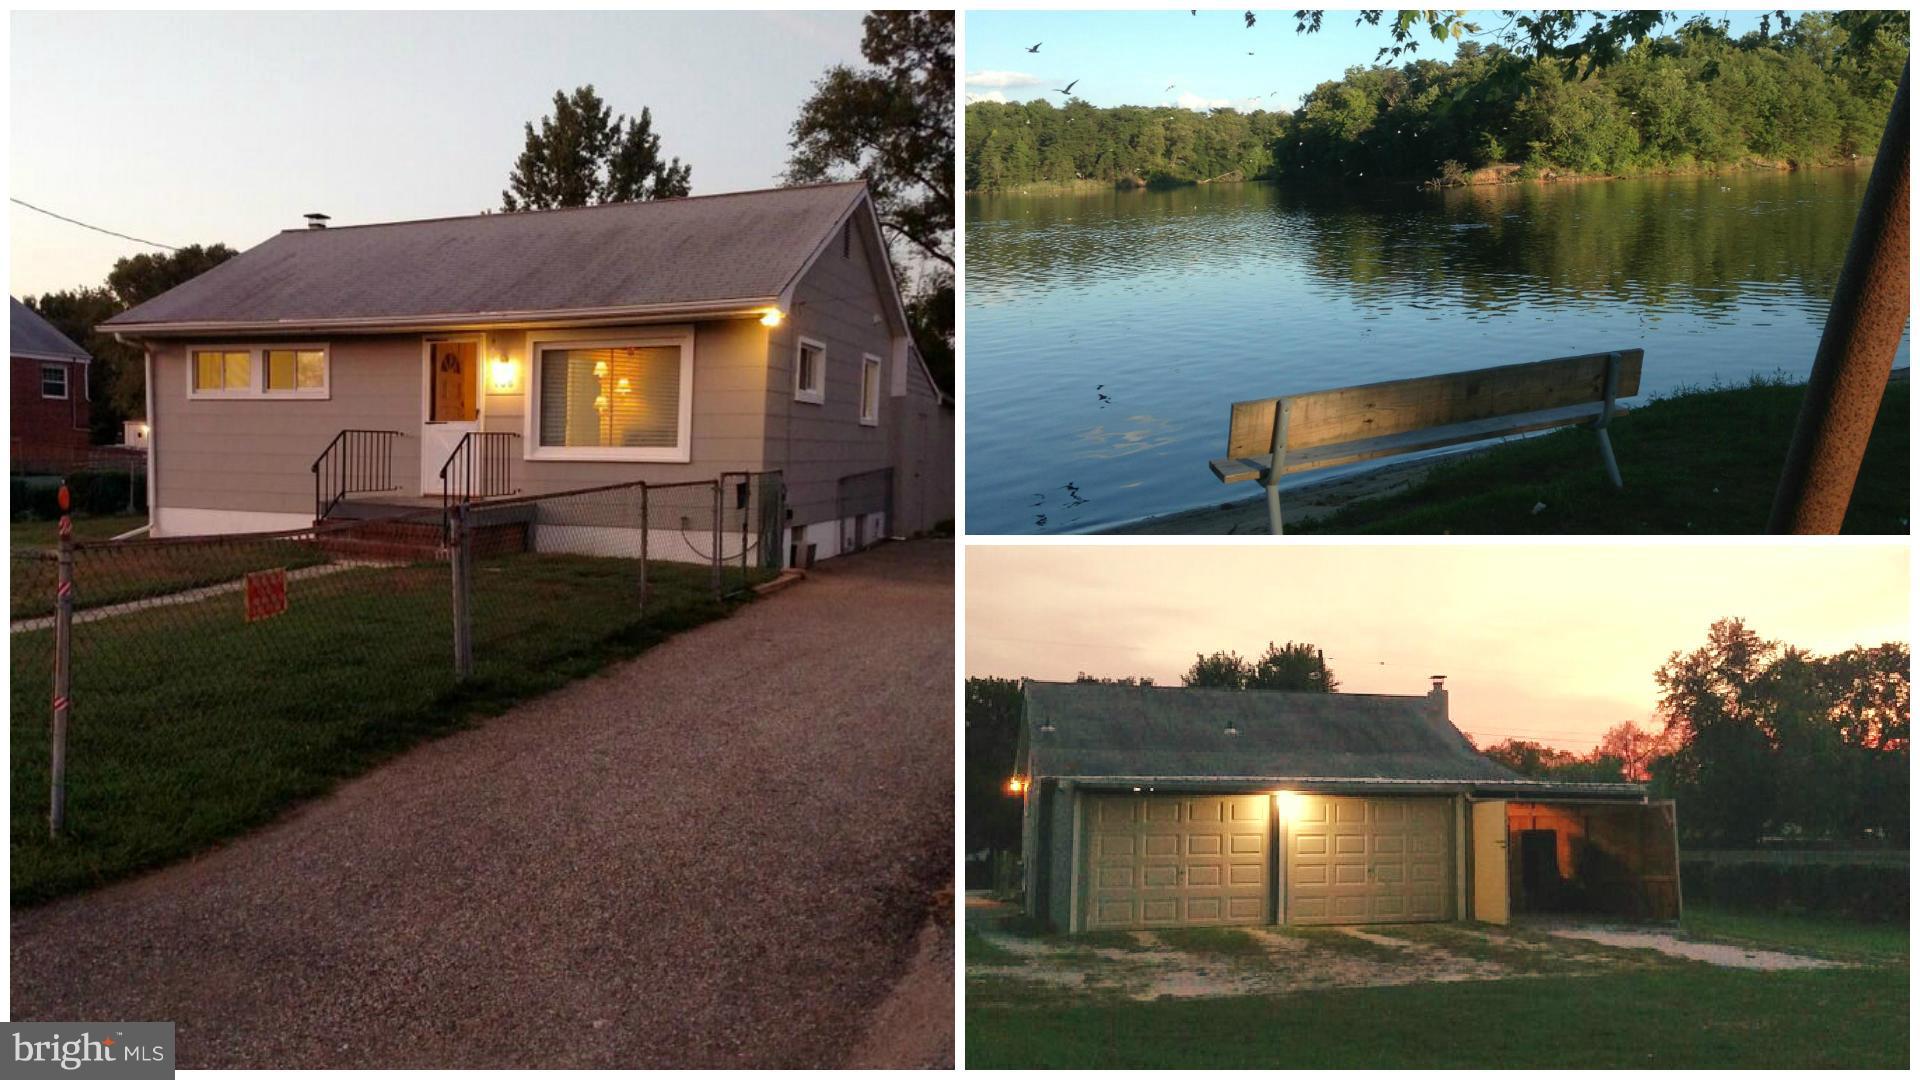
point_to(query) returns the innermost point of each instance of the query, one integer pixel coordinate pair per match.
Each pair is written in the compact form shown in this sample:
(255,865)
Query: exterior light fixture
(1288,803)
(503,374)
(772,317)
(1016,785)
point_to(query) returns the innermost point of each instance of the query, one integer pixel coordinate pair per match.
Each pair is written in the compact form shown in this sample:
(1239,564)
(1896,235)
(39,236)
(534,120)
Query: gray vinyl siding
(215,454)
(838,303)
(920,445)
(729,380)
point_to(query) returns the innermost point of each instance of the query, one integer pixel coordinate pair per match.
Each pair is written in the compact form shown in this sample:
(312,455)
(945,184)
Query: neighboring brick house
(51,410)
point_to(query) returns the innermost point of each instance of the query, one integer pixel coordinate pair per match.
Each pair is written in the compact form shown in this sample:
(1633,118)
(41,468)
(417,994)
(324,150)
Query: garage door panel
(1358,860)
(1193,861)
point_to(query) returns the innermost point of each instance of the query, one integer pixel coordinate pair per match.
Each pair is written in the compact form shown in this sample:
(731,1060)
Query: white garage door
(1162,860)
(1367,860)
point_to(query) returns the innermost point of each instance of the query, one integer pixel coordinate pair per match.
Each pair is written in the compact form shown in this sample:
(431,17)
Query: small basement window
(870,390)
(810,372)
(53,380)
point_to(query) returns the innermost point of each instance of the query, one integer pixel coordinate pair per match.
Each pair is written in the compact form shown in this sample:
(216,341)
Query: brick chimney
(1437,698)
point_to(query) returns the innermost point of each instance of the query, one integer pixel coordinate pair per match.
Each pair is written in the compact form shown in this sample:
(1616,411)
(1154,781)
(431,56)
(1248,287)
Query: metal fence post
(62,670)
(717,534)
(643,547)
(462,559)
(748,489)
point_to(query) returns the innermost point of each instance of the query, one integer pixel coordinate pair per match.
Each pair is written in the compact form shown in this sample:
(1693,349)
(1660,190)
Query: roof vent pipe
(1439,681)
(317,221)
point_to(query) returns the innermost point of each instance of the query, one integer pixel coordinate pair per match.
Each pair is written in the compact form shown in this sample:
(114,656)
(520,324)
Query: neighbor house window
(622,400)
(870,390)
(296,371)
(258,371)
(53,380)
(810,372)
(222,371)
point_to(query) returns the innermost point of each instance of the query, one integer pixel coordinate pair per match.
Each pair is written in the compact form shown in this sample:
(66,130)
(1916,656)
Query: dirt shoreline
(1308,502)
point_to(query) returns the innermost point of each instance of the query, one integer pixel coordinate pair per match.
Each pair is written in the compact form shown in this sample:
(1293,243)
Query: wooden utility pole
(1856,351)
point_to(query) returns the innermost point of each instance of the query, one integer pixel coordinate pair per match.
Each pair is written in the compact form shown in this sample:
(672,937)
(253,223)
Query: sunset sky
(1554,643)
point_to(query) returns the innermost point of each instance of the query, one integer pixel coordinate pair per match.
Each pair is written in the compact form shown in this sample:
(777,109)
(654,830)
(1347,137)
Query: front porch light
(504,375)
(1016,785)
(772,317)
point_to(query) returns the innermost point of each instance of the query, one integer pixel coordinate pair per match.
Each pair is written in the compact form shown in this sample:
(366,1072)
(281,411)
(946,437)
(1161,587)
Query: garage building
(1155,806)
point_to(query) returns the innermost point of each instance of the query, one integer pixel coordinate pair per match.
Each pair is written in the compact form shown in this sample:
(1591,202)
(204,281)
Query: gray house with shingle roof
(661,341)
(1155,806)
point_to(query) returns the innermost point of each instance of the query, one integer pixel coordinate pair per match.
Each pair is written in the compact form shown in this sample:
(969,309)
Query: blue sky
(227,127)
(1131,57)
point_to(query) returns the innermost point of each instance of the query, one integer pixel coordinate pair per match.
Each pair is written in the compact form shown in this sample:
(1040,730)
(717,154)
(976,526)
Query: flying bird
(1249,20)
(1036,46)
(1069,90)
(1172,85)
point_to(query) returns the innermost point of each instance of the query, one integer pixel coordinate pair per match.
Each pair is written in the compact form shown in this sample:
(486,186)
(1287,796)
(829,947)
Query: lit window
(222,371)
(810,372)
(53,380)
(293,371)
(613,398)
(870,391)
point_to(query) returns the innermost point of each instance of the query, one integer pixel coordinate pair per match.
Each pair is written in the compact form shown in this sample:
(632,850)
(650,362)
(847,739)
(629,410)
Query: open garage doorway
(1611,860)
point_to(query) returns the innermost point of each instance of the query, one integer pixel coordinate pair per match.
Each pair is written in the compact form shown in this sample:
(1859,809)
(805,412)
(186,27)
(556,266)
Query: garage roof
(745,247)
(1109,732)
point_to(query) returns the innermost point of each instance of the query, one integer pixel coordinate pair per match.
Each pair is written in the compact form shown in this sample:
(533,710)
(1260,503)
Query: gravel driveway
(717,854)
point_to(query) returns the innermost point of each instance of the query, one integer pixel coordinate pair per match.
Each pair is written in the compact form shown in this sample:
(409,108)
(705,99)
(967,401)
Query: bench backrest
(1327,417)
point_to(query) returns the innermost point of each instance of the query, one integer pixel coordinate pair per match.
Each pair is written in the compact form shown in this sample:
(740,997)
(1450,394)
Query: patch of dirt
(1732,956)
(913,1027)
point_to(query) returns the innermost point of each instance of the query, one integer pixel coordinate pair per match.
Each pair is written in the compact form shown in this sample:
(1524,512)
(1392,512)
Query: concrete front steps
(375,540)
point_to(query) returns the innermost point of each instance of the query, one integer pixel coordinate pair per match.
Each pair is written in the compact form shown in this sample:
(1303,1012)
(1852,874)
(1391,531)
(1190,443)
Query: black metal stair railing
(480,467)
(358,461)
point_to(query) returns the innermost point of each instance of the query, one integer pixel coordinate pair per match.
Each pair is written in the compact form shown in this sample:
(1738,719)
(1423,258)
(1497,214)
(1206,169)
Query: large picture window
(623,400)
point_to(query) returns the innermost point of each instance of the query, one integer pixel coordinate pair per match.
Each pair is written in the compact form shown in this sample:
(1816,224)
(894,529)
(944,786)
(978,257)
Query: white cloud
(991,95)
(1191,100)
(1001,80)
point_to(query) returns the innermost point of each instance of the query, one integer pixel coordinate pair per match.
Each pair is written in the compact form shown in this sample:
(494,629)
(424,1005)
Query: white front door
(450,409)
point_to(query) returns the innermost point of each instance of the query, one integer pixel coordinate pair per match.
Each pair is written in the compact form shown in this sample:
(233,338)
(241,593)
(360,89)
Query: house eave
(473,320)
(62,358)
(1359,785)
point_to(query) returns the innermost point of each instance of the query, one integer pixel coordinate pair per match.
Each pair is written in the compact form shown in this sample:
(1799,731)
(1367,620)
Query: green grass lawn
(110,574)
(1685,1018)
(1660,1013)
(190,725)
(1703,462)
(29,533)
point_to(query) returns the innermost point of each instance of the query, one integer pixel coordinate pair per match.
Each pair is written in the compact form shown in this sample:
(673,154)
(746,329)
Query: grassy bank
(1687,1018)
(1704,462)
(191,725)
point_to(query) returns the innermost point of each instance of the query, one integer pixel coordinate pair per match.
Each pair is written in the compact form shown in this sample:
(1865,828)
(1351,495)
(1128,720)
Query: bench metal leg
(1606,456)
(1273,507)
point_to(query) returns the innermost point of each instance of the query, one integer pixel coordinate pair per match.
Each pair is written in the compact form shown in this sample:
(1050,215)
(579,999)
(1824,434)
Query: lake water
(1107,334)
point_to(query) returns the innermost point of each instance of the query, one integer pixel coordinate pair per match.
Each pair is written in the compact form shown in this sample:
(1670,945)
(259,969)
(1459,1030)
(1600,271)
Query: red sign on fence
(266,594)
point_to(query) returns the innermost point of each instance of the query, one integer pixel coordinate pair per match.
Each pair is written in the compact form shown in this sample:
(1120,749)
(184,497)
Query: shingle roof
(1106,730)
(35,338)
(745,246)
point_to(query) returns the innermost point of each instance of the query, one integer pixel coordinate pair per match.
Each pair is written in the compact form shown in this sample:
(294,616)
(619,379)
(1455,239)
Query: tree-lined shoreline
(1696,101)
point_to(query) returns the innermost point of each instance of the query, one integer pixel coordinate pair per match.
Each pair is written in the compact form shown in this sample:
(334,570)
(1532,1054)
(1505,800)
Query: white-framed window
(53,381)
(259,371)
(600,397)
(870,390)
(810,372)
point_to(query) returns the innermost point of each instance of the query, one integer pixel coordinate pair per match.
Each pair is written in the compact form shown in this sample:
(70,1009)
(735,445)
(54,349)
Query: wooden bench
(1272,437)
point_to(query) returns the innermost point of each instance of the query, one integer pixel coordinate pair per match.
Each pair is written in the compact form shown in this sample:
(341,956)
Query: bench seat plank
(1232,470)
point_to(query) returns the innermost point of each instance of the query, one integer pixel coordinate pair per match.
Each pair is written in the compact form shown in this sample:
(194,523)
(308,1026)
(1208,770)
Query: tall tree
(1221,671)
(584,155)
(891,123)
(1292,667)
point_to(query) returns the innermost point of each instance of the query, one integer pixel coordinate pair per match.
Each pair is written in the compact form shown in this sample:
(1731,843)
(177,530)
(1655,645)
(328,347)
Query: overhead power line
(84,225)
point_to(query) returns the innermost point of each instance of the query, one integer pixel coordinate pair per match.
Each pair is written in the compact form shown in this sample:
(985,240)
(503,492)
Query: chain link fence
(215,679)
